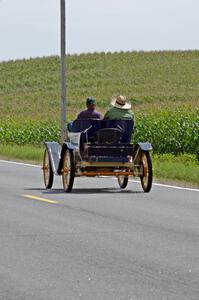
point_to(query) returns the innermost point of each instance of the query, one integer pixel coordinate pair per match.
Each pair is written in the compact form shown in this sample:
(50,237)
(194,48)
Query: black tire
(147,177)
(48,175)
(68,173)
(123,181)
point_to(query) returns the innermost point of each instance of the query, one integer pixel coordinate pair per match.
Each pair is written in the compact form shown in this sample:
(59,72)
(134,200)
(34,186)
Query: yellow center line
(40,199)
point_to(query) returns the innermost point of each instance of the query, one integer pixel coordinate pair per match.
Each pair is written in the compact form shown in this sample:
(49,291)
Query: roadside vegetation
(163,88)
(181,170)
(26,153)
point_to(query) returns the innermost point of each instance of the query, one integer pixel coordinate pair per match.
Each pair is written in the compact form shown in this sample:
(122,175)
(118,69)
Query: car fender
(145,146)
(54,150)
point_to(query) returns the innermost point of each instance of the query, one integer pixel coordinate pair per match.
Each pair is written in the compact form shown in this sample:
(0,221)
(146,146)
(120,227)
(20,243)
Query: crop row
(34,133)
(169,132)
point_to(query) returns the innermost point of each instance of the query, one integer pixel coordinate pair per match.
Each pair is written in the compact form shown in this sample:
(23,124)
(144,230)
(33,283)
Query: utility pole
(63,71)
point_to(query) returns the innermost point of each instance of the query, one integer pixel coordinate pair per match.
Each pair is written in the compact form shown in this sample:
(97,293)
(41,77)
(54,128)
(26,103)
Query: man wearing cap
(120,109)
(90,112)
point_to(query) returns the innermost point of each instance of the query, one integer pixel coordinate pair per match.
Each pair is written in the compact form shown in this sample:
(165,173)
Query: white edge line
(172,186)
(154,183)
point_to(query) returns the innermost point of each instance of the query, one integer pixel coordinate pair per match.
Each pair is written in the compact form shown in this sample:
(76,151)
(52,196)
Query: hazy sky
(31,28)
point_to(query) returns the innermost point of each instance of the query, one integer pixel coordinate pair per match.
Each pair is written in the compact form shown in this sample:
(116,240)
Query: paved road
(97,242)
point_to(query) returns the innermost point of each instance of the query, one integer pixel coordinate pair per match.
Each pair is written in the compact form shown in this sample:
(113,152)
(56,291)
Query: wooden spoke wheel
(68,172)
(47,170)
(123,181)
(147,171)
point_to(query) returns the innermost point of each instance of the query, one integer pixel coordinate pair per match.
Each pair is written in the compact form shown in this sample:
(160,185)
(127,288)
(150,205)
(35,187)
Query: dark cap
(90,101)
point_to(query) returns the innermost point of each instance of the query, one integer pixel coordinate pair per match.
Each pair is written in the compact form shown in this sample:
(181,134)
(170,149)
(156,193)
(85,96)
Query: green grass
(27,153)
(183,168)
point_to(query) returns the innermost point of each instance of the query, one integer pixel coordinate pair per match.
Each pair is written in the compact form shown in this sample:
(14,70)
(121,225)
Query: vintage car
(98,148)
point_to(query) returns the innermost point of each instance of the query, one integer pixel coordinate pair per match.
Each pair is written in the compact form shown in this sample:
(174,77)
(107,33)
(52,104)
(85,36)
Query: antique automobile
(96,148)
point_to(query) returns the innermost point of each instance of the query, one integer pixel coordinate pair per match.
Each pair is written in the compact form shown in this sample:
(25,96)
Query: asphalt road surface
(98,242)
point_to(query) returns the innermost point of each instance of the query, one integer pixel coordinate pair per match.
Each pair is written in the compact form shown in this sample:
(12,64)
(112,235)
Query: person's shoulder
(111,108)
(81,114)
(106,115)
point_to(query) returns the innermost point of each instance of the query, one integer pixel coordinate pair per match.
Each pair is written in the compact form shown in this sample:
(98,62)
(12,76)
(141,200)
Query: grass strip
(27,153)
(182,169)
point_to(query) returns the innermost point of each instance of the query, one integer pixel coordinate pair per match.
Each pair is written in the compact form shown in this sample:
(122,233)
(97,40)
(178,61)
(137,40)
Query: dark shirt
(89,114)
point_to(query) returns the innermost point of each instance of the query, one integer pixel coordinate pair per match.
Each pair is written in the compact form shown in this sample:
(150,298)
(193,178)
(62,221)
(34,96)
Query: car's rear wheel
(147,171)
(122,181)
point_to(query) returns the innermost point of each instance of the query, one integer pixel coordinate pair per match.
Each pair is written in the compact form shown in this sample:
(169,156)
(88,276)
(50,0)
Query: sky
(31,28)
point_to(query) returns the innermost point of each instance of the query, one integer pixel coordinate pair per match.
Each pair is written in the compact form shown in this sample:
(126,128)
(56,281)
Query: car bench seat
(108,135)
(92,126)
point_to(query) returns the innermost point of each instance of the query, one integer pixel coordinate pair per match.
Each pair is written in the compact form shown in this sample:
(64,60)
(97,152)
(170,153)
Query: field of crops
(169,131)
(162,86)
(174,132)
(30,89)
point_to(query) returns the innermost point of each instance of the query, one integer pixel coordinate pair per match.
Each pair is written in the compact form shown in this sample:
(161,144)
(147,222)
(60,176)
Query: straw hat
(121,102)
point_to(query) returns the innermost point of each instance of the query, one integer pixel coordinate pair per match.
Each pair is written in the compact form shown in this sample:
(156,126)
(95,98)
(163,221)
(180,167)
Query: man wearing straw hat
(120,109)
